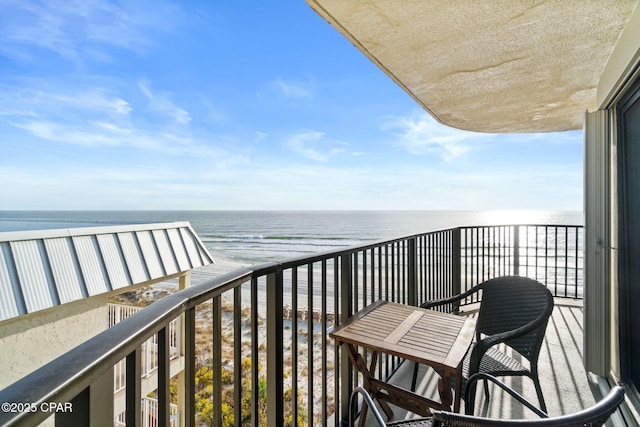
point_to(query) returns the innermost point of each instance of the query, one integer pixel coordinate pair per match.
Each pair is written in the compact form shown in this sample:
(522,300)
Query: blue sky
(237,105)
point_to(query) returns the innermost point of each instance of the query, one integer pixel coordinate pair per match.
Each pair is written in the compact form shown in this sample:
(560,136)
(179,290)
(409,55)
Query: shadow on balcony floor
(564,382)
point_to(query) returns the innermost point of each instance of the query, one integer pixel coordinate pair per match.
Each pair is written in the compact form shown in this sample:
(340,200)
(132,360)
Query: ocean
(253,237)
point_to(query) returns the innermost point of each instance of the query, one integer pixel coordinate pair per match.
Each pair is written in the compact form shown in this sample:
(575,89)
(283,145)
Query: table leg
(444,389)
(363,414)
(360,364)
(456,405)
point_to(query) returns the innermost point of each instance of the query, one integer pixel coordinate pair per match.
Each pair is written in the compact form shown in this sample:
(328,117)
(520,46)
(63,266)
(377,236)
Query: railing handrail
(65,377)
(520,225)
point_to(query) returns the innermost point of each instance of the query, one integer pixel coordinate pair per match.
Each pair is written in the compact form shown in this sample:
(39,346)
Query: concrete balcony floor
(566,386)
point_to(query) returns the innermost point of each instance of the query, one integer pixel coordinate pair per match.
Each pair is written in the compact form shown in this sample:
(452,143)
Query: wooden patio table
(433,338)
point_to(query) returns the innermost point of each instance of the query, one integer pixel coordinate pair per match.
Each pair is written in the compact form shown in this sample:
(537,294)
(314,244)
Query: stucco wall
(30,341)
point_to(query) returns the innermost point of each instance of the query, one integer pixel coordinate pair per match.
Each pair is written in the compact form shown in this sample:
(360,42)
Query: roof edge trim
(14,236)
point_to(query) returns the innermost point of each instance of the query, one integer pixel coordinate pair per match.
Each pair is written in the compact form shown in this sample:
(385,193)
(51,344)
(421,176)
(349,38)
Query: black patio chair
(514,310)
(594,416)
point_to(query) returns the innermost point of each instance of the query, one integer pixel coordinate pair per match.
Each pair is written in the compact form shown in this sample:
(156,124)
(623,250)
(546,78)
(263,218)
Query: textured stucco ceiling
(489,66)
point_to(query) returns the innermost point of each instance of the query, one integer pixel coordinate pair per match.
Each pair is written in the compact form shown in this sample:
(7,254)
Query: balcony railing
(248,363)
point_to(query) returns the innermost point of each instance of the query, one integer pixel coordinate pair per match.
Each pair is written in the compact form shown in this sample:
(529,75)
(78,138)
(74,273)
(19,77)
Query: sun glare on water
(505,217)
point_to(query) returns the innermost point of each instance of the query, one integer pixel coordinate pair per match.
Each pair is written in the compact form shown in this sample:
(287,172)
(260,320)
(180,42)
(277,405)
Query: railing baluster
(483,261)
(516,250)
(275,359)
(337,384)
(577,263)
(294,341)
(526,252)
(477,257)
(456,286)
(216,319)
(237,355)
(566,259)
(554,259)
(190,367)
(356,283)
(424,263)
(255,380)
(402,271)
(134,372)
(364,278)
(473,258)
(392,257)
(323,338)
(310,373)
(372,273)
(431,285)
(345,369)
(164,377)
(412,291)
(436,266)
(80,416)
(547,278)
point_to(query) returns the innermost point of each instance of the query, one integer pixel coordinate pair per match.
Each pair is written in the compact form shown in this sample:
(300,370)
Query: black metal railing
(255,344)
(551,254)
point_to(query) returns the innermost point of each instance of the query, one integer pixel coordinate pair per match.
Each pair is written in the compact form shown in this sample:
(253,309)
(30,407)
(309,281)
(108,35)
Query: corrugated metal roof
(133,257)
(30,268)
(43,268)
(180,251)
(90,266)
(150,253)
(64,269)
(108,244)
(164,249)
(8,306)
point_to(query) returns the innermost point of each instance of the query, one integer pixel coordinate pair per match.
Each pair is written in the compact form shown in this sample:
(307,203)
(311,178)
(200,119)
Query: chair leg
(486,389)
(415,376)
(470,400)
(536,383)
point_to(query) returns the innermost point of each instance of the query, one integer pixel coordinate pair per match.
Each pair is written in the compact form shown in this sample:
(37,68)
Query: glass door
(628,111)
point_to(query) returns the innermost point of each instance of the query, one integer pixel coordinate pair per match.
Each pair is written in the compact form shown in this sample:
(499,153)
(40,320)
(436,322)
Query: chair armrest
(450,300)
(484,344)
(367,399)
(482,376)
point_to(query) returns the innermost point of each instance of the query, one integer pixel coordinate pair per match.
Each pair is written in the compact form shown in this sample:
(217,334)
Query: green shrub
(204,397)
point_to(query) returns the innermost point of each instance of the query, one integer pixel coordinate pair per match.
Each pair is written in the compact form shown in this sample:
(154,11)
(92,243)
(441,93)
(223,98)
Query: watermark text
(49,407)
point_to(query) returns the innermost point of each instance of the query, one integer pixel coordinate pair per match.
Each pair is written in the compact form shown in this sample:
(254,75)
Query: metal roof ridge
(13,236)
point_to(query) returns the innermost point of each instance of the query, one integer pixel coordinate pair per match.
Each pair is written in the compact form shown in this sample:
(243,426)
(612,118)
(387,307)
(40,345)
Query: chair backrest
(510,302)
(594,416)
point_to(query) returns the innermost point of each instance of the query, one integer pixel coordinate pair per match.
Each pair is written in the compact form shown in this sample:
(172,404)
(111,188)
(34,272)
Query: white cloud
(113,128)
(79,114)
(260,136)
(313,145)
(420,134)
(159,101)
(36,98)
(214,114)
(232,182)
(80,29)
(294,89)
(90,134)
